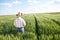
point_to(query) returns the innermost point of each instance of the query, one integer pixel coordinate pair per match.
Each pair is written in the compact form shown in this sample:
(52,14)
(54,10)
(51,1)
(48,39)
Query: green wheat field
(39,27)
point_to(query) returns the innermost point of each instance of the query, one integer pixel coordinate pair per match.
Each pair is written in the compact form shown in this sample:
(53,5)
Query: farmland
(39,27)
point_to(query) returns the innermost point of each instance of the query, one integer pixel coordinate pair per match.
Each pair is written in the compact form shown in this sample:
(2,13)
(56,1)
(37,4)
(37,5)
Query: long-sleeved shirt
(19,22)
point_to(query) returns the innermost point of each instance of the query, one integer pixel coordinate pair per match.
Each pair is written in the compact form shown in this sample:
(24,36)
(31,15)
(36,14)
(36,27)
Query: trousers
(21,29)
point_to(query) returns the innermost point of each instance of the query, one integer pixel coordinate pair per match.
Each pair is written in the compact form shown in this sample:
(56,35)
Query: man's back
(19,22)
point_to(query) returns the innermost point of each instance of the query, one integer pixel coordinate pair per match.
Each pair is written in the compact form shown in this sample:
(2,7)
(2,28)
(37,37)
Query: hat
(19,14)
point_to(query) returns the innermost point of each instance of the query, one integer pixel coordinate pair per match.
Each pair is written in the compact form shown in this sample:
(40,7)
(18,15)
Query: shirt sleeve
(24,23)
(15,22)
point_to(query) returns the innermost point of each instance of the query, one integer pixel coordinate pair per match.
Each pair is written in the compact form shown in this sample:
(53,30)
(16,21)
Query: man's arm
(14,22)
(24,23)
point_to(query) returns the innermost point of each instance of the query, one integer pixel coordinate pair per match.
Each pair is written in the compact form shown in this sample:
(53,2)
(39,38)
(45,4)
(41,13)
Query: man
(19,23)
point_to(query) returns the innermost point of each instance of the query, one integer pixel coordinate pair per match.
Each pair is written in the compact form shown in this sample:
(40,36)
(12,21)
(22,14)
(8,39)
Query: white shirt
(19,22)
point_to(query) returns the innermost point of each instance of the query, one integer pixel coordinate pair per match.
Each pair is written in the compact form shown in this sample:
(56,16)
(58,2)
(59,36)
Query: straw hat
(19,14)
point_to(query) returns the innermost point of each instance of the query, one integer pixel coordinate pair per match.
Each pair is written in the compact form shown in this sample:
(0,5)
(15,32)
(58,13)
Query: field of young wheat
(39,27)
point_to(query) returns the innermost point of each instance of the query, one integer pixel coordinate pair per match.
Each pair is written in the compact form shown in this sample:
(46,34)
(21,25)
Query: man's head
(19,14)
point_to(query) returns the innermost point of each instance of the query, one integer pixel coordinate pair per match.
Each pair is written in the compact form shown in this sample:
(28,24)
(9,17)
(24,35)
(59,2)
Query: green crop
(38,27)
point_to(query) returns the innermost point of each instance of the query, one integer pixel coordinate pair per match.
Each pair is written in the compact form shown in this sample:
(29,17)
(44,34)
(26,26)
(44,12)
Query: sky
(8,7)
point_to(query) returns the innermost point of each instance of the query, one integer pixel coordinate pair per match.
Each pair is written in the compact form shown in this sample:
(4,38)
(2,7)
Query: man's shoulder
(20,18)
